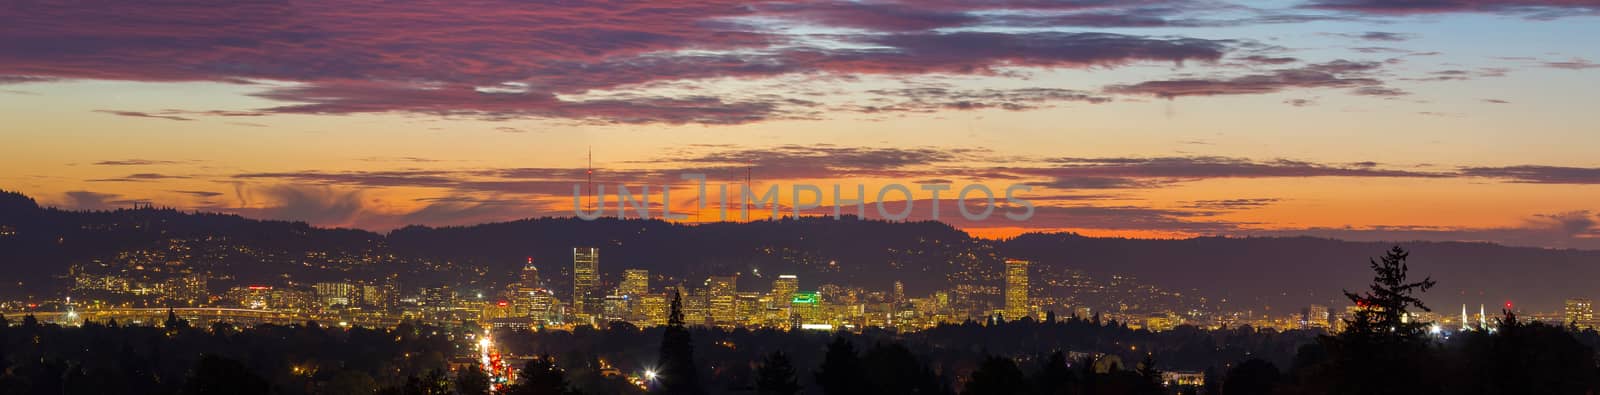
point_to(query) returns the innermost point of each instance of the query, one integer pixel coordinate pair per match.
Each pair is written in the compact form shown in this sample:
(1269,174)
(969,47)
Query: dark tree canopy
(997,376)
(841,371)
(776,375)
(677,374)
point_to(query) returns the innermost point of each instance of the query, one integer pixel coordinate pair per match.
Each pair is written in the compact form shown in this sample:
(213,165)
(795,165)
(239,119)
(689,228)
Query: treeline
(1380,352)
(176,358)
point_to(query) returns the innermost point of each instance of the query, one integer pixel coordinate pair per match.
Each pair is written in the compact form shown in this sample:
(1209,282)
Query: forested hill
(41,243)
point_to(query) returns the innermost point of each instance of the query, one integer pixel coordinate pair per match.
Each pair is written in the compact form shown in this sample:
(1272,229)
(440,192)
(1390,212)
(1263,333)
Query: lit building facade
(585,280)
(634,282)
(721,299)
(1580,313)
(1016,275)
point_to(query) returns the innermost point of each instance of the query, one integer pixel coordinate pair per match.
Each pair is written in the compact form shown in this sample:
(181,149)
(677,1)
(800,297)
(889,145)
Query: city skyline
(799,197)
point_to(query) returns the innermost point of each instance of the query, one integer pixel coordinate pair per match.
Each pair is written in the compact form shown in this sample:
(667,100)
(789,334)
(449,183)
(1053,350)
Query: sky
(1355,119)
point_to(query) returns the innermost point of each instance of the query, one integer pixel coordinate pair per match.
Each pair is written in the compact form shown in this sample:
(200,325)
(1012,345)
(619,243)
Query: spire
(1482,322)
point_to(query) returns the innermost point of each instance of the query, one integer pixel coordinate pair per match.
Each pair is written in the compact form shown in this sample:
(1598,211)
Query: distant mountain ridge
(1284,273)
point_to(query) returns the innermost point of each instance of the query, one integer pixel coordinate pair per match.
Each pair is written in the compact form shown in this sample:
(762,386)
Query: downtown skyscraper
(585,280)
(1016,276)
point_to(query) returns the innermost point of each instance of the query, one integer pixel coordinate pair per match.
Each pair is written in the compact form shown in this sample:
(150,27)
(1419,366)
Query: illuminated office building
(1580,313)
(1016,275)
(721,297)
(807,308)
(783,290)
(333,293)
(1317,316)
(652,309)
(634,282)
(529,279)
(585,280)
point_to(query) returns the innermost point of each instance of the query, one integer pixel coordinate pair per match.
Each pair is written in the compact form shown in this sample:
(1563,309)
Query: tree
(840,373)
(434,383)
(1053,377)
(352,382)
(540,377)
(677,373)
(1213,382)
(1151,375)
(215,375)
(1521,357)
(1252,377)
(996,376)
(472,381)
(1381,351)
(891,368)
(776,375)
(173,322)
(1383,308)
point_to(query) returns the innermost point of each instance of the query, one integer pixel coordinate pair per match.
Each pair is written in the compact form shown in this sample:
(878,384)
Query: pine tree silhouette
(776,376)
(841,371)
(676,361)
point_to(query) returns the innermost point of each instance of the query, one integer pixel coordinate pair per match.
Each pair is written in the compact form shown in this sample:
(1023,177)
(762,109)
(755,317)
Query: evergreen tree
(1053,377)
(776,376)
(676,360)
(540,377)
(1381,351)
(891,368)
(841,372)
(472,381)
(433,383)
(997,376)
(352,382)
(215,375)
(1252,377)
(1384,307)
(1213,382)
(1151,375)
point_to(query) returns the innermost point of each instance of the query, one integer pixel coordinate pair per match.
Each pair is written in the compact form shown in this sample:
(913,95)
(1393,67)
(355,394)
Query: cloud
(1572,64)
(822,161)
(1385,36)
(1533,174)
(323,206)
(1206,167)
(1335,74)
(1540,9)
(22,79)
(86,200)
(137,114)
(1096,183)
(1300,102)
(1270,60)
(503,59)
(931,99)
(136,162)
(468,101)
(200,194)
(1232,204)
(1559,230)
(1378,91)
(1376,36)
(139,177)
